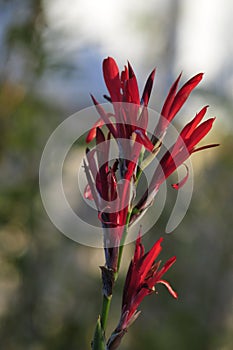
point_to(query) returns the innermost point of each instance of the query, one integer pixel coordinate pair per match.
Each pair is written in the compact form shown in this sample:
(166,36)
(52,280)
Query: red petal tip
(131,71)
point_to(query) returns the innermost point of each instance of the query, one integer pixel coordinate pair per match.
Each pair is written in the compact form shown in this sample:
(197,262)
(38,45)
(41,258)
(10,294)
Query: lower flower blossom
(143,275)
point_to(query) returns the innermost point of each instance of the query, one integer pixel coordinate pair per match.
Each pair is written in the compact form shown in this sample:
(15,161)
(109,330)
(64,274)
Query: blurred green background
(50,59)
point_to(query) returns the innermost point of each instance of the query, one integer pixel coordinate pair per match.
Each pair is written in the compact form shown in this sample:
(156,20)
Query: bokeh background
(51,53)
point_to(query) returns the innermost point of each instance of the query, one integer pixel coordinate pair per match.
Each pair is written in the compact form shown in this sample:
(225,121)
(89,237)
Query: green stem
(106,302)
(122,242)
(99,340)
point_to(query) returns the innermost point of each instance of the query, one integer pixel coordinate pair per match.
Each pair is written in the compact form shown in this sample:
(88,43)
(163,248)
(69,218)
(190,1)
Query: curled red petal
(206,147)
(181,183)
(169,288)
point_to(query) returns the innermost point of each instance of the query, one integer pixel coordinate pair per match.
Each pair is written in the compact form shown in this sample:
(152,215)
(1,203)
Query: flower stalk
(106,302)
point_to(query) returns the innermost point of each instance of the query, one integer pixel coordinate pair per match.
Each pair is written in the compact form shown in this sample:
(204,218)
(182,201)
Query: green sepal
(98,342)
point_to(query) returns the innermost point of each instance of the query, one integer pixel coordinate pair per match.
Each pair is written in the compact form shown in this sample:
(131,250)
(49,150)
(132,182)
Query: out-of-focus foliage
(50,286)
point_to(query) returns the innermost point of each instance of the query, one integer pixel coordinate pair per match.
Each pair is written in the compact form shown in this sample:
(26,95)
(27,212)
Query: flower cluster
(112,184)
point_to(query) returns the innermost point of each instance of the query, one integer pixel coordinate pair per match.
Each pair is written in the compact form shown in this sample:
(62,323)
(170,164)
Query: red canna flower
(143,275)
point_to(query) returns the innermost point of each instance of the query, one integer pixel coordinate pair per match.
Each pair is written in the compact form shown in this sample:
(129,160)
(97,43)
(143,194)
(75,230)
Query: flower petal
(206,147)
(163,121)
(199,133)
(92,133)
(132,87)
(112,79)
(150,258)
(165,268)
(147,90)
(142,121)
(139,248)
(170,98)
(191,126)
(124,76)
(183,94)
(170,289)
(104,117)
